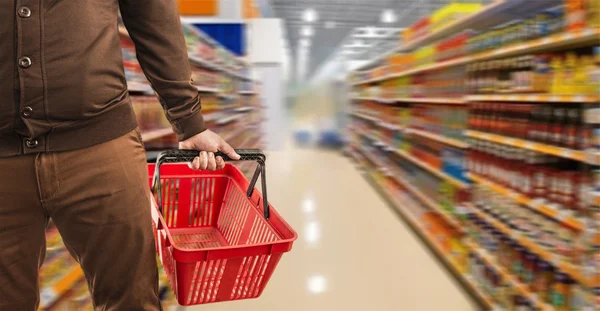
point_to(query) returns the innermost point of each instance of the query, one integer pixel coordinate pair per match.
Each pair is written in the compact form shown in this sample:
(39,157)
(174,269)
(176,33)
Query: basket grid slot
(170,192)
(250,277)
(206,280)
(196,240)
(233,215)
(202,201)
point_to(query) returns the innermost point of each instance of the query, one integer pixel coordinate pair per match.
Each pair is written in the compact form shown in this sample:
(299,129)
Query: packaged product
(558,75)
(586,81)
(517,260)
(543,280)
(530,268)
(575,14)
(561,292)
(594,75)
(565,244)
(593,13)
(577,301)
(569,73)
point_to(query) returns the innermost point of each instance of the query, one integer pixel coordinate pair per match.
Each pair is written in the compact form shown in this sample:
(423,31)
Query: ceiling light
(388,16)
(306,31)
(309,15)
(330,25)
(358,43)
(305,42)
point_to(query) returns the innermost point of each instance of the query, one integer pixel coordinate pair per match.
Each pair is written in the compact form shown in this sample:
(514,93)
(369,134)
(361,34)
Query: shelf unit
(574,272)
(507,276)
(564,39)
(535,98)
(367,90)
(545,209)
(439,138)
(533,146)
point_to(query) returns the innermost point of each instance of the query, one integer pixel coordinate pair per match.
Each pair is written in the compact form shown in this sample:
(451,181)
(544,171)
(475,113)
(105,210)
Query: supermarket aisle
(353,252)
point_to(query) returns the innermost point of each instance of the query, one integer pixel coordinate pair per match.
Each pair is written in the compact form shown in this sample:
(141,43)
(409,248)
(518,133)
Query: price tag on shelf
(568,36)
(554,98)
(579,98)
(546,40)
(562,214)
(512,97)
(566,153)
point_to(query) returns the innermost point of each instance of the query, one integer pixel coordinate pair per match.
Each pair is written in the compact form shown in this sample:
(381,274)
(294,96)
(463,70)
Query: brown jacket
(62,82)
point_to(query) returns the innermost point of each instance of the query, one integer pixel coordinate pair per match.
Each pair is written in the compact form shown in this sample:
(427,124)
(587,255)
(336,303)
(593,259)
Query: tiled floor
(353,252)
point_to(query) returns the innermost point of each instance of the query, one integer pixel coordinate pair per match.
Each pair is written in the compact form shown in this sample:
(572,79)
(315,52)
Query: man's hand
(208,143)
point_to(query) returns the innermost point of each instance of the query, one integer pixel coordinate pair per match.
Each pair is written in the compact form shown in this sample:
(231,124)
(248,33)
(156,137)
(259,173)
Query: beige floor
(353,252)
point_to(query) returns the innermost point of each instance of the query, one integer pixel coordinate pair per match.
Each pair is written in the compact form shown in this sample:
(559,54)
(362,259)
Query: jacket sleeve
(155,28)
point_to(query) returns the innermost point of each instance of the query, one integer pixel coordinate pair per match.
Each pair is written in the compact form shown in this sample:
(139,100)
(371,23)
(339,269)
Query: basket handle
(178,156)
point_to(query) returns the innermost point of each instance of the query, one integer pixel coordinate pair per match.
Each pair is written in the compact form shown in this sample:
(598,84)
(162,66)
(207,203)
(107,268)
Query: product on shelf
(533,206)
(553,124)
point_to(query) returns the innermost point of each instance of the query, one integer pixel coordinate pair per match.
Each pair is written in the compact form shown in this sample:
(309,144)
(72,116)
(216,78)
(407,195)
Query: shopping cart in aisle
(217,237)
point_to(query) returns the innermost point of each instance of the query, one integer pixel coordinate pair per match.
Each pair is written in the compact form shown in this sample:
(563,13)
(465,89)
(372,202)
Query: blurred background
(431,154)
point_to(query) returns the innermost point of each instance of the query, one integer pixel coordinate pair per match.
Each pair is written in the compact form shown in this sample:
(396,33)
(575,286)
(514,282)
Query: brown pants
(98,198)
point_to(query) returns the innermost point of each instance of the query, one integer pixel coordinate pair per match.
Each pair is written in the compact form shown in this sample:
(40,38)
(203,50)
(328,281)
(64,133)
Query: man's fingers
(220,163)
(212,164)
(203,160)
(226,149)
(194,164)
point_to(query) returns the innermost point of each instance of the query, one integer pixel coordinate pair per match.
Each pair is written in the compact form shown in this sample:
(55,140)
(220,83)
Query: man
(69,147)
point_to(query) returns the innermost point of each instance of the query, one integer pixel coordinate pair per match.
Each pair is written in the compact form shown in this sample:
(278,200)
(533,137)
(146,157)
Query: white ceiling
(348,15)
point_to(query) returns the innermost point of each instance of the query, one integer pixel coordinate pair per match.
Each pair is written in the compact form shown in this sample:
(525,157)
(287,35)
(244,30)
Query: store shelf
(542,98)
(563,39)
(507,276)
(439,138)
(244,109)
(247,92)
(49,295)
(466,22)
(389,126)
(229,119)
(201,62)
(156,134)
(205,89)
(398,204)
(227,96)
(375,99)
(233,134)
(431,100)
(574,272)
(364,116)
(529,145)
(544,209)
(138,87)
(435,171)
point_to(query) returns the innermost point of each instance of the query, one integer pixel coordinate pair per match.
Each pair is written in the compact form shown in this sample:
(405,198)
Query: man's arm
(155,28)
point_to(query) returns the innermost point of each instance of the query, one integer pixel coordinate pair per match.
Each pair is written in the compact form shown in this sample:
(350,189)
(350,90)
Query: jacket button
(25,62)
(26,112)
(24,12)
(32,143)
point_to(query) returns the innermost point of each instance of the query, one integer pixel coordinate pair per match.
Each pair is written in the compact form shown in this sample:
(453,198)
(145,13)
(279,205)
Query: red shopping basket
(217,237)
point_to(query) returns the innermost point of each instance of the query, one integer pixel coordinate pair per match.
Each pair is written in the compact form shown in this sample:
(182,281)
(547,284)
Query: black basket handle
(178,156)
